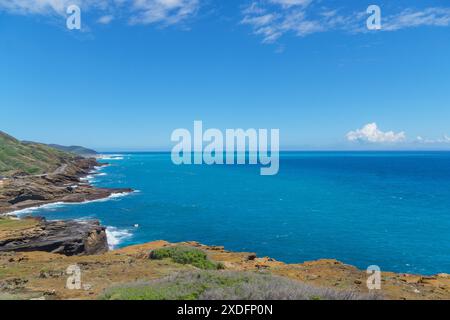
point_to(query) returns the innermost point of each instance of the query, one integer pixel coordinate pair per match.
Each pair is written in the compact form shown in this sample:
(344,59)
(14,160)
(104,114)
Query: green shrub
(185,255)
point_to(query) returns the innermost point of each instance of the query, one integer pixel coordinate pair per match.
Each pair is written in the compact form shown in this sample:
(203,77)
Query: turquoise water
(387,209)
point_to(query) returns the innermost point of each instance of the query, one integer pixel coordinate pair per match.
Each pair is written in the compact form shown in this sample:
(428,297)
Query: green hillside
(32,158)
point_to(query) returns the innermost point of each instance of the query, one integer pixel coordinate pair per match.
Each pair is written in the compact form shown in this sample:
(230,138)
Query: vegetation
(10,227)
(185,255)
(81,151)
(8,224)
(31,158)
(226,285)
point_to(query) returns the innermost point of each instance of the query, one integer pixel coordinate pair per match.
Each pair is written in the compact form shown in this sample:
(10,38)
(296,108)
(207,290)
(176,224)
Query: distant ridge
(81,151)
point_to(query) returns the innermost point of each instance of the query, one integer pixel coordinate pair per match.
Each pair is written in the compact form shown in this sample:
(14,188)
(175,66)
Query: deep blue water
(387,209)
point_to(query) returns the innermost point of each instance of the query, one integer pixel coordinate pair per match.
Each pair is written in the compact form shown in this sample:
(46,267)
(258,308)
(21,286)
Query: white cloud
(437,17)
(371,133)
(306,17)
(43,7)
(165,12)
(290,3)
(444,140)
(105,19)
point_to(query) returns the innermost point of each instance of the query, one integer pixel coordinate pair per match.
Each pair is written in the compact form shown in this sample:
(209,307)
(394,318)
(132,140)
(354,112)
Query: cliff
(62,185)
(63,237)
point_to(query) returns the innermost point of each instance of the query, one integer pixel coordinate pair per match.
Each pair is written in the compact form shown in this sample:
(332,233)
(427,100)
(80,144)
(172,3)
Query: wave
(111,157)
(88,178)
(55,205)
(27,211)
(116,236)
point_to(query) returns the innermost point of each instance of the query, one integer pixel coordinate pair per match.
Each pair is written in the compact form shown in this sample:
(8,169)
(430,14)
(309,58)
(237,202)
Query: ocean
(390,209)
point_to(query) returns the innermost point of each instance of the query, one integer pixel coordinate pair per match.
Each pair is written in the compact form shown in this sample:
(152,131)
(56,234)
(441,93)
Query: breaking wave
(116,236)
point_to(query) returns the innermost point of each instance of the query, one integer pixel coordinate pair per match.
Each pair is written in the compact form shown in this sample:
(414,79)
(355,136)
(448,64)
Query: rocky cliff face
(63,185)
(63,237)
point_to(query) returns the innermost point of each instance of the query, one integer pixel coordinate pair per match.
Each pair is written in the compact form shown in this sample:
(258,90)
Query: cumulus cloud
(164,12)
(272,19)
(372,134)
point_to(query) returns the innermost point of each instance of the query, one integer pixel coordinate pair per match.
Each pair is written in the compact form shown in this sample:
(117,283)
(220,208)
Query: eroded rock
(64,237)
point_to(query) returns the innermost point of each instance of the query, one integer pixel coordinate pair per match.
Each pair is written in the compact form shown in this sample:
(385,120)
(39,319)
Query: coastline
(328,273)
(69,184)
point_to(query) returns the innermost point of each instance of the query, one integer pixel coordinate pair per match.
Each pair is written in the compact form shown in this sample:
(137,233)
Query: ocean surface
(390,209)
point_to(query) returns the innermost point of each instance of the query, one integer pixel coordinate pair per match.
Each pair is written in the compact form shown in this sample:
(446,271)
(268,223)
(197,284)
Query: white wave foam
(27,211)
(56,205)
(87,178)
(111,157)
(116,236)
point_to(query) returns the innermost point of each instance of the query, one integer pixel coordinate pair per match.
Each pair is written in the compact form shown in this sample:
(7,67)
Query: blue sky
(138,69)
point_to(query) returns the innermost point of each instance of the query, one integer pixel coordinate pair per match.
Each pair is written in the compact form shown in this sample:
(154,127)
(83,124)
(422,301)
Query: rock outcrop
(63,237)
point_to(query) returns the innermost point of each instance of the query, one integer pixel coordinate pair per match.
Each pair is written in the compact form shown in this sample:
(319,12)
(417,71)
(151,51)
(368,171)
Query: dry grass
(227,285)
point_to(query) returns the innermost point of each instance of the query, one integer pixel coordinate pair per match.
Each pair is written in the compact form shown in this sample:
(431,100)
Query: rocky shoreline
(65,184)
(64,237)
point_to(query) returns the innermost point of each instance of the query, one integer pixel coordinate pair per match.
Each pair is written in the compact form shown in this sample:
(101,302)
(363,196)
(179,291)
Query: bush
(185,255)
(227,285)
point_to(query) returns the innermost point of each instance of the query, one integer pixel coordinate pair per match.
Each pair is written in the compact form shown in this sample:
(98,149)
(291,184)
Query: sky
(139,69)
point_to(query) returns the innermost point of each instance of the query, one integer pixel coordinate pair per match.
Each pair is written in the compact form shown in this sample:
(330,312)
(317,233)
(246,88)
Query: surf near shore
(70,183)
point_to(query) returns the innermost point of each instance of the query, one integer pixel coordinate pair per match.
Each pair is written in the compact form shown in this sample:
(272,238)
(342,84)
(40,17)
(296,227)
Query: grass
(8,224)
(186,255)
(226,285)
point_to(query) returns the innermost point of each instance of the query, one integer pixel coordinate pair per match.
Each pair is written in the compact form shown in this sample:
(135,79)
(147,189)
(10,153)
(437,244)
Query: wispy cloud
(409,18)
(272,19)
(163,12)
(444,140)
(107,19)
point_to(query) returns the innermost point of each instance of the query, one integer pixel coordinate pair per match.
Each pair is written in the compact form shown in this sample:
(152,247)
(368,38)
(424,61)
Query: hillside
(32,158)
(81,151)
